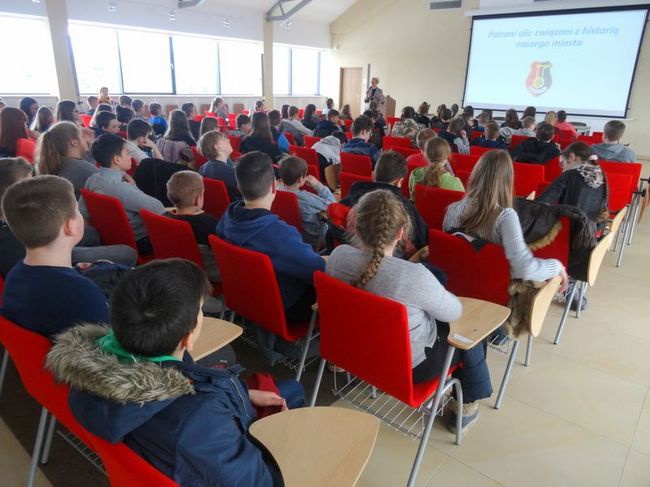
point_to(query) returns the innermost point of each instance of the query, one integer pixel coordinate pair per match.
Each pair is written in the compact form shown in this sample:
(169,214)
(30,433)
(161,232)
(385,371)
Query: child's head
(107,121)
(390,168)
(512,119)
(208,124)
(156,308)
(259,105)
(483,119)
(340,136)
(126,101)
(28,105)
(423,137)
(189,109)
(293,170)
(43,120)
(408,112)
(12,169)
(528,122)
(545,132)
(254,174)
(43,210)
(329,103)
(436,152)
(468,110)
(445,114)
(137,131)
(285,111)
(424,108)
(178,126)
(103,91)
(362,127)
(124,114)
(243,123)
(613,131)
(334,116)
(372,115)
(261,126)
(275,118)
(551,118)
(456,125)
(380,221)
(216,104)
(185,190)
(67,111)
(138,107)
(561,116)
(310,110)
(92,101)
(577,154)
(214,146)
(454,109)
(530,112)
(155,109)
(110,150)
(63,141)
(104,107)
(492,131)
(346,110)
(13,126)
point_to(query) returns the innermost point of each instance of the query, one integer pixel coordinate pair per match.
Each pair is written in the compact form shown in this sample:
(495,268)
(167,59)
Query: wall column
(267,90)
(57,15)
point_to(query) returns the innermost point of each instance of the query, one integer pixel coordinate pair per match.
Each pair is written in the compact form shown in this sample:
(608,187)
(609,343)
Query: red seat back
(290,138)
(310,140)
(232,120)
(463,162)
(348,124)
(285,205)
(477,150)
(392,120)
(199,159)
(560,246)
(85,119)
(356,164)
(483,274)
(552,169)
(590,139)
(389,142)
(432,203)
(405,151)
(527,177)
(309,155)
(463,176)
(477,133)
(347,180)
(619,191)
(515,140)
(25,148)
(171,238)
(109,218)
(215,197)
(633,169)
(234,142)
(250,287)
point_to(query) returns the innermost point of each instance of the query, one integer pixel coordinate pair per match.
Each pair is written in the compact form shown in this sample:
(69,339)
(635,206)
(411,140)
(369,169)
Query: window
(27,58)
(93,70)
(240,68)
(304,71)
(196,65)
(281,70)
(146,62)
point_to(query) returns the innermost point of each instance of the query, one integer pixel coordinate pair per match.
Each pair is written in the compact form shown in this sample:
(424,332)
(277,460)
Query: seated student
(208,124)
(582,183)
(294,126)
(437,152)
(251,224)
(138,143)
(259,106)
(105,123)
(175,144)
(443,119)
(492,138)
(309,117)
(529,112)
(470,122)
(511,120)
(486,212)
(611,149)
(381,222)
(379,128)
(362,129)
(551,118)
(185,191)
(327,127)
(422,117)
(329,105)
(456,136)
(407,126)
(275,120)
(293,172)
(219,108)
(13,126)
(539,150)
(562,124)
(92,101)
(12,250)
(43,293)
(527,127)
(329,148)
(420,158)
(244,127)
(216,148)
(124,116)
(68,111)
(157,120)
(188,421)
(261,138)
(43,120)
(61,151)
(482,120)
(111,153)
(190,112)
(29,107)
(346,113)
(389,174)
(138,110)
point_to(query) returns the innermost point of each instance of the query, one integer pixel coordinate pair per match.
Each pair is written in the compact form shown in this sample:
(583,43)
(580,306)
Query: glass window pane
(95,71)
(304,72)
(27,58)
(241,68)
(195,65)
(146,63)
(281,70)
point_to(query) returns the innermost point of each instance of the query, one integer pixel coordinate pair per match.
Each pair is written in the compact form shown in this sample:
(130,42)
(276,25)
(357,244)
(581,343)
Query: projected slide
(579,62)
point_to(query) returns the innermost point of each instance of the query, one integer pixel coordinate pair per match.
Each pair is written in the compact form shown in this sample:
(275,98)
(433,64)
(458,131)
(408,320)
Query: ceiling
(321,10)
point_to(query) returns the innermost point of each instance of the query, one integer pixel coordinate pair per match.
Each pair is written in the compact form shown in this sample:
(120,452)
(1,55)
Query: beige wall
(422,55)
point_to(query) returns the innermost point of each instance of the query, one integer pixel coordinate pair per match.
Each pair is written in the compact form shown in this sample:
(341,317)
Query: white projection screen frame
(579,60)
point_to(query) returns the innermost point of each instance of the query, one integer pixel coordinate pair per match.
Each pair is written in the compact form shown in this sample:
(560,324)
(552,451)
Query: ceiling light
(172,14)
(112,7)
(226,22)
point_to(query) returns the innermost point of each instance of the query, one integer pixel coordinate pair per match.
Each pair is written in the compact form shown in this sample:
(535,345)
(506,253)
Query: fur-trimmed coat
(190,422)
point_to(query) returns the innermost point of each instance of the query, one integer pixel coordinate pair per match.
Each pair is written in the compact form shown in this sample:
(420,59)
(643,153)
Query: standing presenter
(375,94)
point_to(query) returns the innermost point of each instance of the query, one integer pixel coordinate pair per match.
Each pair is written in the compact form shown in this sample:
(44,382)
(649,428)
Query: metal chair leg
(583,290)
(319,378)
(506,374)
(45,457)
(38,445)
(624,230)
(3,369)
(308,337)
(565,314)
(529,350)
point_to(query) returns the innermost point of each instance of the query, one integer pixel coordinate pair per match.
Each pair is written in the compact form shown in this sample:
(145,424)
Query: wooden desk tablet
(479,319)
(215,334)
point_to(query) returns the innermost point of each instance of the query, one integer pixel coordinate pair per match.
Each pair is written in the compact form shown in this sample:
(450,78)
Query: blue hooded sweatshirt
(294,261)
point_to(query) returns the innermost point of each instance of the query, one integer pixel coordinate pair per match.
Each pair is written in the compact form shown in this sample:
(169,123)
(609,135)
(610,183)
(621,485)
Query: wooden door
(351,89)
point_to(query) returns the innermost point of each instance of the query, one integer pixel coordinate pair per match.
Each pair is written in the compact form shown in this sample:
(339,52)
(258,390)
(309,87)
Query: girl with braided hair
(378,223)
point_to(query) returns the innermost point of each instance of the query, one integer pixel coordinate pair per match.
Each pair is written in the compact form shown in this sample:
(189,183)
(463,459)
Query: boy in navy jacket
(136,383)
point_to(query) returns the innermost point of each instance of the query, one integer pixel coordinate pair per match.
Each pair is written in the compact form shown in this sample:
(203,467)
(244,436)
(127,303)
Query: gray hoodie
(614,152)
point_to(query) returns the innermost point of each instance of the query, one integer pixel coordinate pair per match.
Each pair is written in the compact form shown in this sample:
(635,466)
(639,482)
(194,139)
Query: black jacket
(257,143)
(535,151)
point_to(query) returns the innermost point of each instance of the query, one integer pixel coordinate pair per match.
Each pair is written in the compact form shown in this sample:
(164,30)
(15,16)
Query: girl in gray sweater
(380,223)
